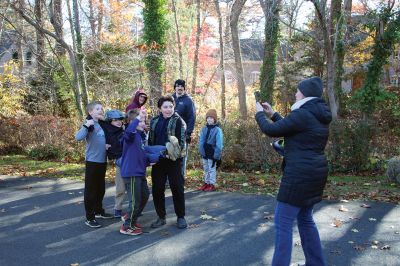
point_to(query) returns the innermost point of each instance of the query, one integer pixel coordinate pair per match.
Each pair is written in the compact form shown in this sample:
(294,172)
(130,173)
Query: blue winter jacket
(211,148)
(184,106)
(305,132)
(133,160)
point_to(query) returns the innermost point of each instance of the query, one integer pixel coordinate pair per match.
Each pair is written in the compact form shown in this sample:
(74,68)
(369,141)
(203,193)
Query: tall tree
(79,55)
(70,51)
(234,19)
(154,35)
(271,11)
(196,51)
(55,12)
(386,27)
(178,39)
(40,49)
(221,58)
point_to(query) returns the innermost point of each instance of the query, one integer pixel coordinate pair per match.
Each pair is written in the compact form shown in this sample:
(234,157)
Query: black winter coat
(305,132)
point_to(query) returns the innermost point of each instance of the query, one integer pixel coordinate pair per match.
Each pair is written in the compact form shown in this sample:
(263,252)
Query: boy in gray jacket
(96,164)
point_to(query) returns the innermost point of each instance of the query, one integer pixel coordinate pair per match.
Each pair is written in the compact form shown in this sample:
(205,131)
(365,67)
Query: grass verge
(341,187)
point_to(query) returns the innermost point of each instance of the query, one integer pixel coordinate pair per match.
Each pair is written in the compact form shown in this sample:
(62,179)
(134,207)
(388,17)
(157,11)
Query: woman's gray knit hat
(312,87)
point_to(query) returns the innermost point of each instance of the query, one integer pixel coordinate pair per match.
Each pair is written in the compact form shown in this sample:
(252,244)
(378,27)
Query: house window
(15,56)
(255,76)
(394,80)
(29,58)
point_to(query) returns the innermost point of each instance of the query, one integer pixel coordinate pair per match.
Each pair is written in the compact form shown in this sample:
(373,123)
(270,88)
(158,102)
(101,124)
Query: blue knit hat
(312,87)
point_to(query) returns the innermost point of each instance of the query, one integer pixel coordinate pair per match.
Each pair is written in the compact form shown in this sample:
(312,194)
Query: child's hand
(89,123)
(143,113)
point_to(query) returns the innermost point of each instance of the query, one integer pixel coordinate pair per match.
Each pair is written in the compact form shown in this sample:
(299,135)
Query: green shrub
(46,153)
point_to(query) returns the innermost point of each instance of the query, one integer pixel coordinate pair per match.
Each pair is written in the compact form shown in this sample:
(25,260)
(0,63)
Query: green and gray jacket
(175,127)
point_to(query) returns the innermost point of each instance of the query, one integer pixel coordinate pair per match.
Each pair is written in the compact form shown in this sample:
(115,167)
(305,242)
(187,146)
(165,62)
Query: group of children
(107,136)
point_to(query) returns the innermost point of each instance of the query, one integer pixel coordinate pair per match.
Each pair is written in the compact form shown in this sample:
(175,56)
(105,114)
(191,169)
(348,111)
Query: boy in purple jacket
(134,161)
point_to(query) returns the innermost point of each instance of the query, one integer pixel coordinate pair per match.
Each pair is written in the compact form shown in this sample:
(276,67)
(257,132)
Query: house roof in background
(8,38)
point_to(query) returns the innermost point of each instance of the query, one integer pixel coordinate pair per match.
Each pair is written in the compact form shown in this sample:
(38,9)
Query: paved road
(42,223)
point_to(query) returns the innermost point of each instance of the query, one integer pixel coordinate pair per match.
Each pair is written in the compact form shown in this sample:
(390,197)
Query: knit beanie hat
(311,87)
(212,113)
(179,82)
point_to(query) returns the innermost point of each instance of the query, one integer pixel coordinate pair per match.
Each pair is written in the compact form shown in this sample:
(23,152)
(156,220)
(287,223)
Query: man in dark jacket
(138,100)
(305,131)
(185,107)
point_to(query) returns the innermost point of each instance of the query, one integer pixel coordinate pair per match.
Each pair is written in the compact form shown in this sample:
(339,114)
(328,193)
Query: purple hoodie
(134,104)
(133,160)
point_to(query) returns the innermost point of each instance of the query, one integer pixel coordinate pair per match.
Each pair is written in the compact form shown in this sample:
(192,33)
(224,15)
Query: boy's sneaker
(124,217)
(92,223)
(160,222)
(203,187)
(117,213)
(130,231)
(181,223)
(104,215)
(210,188)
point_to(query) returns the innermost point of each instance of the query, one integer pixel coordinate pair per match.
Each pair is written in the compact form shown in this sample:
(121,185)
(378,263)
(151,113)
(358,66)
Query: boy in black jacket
(114,129)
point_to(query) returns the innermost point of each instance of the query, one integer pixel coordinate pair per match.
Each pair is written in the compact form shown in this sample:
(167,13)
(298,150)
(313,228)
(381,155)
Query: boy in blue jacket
(134,161)
(210,148)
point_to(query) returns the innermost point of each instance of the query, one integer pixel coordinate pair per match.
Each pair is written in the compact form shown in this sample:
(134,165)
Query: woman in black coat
(305,131)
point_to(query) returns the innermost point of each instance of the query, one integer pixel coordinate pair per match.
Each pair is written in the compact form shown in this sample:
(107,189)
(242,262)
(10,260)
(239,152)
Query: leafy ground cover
(339,187)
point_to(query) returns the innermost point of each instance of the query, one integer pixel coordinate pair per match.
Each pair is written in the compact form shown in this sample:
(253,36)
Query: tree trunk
(178,40)
(267,77)
(92,20)
(100,16)
(234,18)
(221,59)
(40,52)
(154,35)
(57,22)
(196,51)
(20,29)
(79,56)
(330,59)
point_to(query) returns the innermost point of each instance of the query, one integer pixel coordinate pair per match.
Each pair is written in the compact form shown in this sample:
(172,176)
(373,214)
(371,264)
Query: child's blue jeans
(285,214)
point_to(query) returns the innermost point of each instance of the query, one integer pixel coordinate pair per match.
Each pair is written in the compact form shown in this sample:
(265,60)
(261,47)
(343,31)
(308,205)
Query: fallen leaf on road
(245,184)
(365,205)
(343,200)
(336,223)
(208,217)
(375,242)
(343,209)
(367,184)
(71,193)
(354,230)
(351,242)
(374,247)
(192,226)
(385,247)
(372,219)
(164,233)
